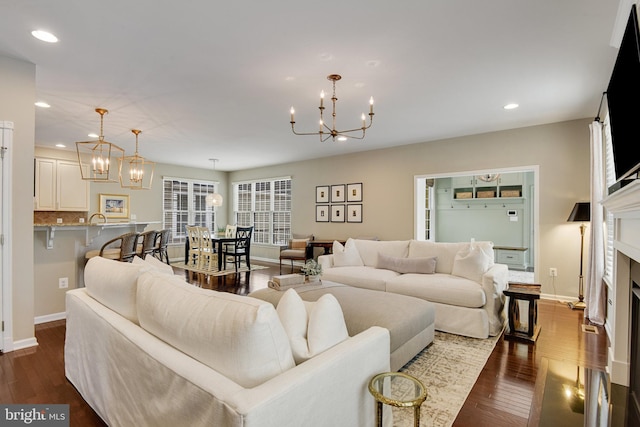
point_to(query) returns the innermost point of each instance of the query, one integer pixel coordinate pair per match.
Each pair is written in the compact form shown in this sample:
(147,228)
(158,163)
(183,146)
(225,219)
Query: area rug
(448,368)
(216,273)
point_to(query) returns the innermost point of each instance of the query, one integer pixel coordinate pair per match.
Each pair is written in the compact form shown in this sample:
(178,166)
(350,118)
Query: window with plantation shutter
(184,203)
(265,205)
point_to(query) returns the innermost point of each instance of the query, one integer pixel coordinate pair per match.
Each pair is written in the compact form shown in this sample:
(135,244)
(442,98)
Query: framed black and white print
(337,213)
(322,194)
(322,213)
(354,213)
(337,193)
(354,192)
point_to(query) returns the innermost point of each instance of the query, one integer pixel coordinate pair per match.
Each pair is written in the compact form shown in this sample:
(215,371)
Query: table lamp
(581,213)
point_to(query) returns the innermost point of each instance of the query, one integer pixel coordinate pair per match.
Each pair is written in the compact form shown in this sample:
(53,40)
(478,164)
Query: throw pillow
(407,265)
(471,263)
(299,243)
(347,255)
(312,327)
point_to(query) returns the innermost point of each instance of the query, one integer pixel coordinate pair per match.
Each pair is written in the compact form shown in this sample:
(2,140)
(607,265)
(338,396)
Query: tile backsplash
(48,217)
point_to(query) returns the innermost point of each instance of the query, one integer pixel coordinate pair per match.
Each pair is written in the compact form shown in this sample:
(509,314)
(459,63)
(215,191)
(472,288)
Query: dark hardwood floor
(502,395)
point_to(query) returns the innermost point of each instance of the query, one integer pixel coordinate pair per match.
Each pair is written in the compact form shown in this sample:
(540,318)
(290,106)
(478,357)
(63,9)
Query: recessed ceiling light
(342,138)
(45,36)
(510,106)
(93,135)
(42,104)
(61,146)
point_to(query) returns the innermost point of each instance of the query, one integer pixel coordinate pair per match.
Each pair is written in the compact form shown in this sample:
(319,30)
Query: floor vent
(589,329)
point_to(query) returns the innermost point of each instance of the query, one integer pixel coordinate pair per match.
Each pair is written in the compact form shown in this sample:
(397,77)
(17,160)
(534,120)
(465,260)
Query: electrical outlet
(59,220)
(63,282)
(553,272)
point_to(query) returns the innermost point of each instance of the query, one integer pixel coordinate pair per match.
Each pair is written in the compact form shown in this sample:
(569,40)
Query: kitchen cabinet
(59,186)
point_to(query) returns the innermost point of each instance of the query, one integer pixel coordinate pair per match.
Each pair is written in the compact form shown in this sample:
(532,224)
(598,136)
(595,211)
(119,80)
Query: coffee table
(408,392)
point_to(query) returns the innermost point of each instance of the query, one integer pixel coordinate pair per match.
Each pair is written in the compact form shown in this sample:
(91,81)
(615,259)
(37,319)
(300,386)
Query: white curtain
(594,286)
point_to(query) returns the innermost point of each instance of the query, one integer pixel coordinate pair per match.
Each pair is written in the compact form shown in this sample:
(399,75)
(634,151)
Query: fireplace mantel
(624,204)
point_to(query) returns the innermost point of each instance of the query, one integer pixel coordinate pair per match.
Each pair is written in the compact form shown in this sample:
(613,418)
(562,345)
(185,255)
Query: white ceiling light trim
(44,36)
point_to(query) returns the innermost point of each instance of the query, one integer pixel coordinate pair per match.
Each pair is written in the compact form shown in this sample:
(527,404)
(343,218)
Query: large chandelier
(325,132)
(96,157)
(135,171)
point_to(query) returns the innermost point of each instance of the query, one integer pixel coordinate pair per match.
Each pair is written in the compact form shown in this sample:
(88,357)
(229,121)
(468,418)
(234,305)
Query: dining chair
(240,248)
(208,255)
(127,249)
(162,243)
(193,236)
(230,231)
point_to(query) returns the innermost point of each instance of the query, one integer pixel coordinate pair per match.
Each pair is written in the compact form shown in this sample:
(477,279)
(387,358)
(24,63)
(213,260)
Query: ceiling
(213,79)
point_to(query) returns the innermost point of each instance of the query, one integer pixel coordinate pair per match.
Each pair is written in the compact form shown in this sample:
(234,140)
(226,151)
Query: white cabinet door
(59,186)
(514,178)
(45,185)
(462,181)
(72,191)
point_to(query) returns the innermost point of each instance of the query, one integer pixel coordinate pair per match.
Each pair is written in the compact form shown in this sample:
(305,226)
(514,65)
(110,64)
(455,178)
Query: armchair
(298,249)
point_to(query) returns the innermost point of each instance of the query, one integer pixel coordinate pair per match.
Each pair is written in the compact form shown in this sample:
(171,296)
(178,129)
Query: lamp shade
(581,212)
(213,199)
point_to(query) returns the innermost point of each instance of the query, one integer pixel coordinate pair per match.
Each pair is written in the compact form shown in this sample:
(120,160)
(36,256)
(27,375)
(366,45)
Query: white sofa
(460,279)
(145,348)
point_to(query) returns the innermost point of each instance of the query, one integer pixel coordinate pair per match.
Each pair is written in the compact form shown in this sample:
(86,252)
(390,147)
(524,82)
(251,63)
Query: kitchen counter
(92,230)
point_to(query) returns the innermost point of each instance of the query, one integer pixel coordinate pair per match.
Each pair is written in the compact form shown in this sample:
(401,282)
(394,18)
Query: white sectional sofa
(145,348)
(460,279)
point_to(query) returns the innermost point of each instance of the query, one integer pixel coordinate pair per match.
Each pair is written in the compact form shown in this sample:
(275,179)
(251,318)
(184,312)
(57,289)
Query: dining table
(218,241)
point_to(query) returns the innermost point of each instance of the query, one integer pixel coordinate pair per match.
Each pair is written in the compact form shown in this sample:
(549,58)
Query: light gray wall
(561,150)
(18,89)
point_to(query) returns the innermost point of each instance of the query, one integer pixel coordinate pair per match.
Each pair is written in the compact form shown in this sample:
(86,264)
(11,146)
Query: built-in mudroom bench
(514,257)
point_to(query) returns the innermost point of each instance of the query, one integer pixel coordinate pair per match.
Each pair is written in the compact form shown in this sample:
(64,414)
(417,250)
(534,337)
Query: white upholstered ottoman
(410,320)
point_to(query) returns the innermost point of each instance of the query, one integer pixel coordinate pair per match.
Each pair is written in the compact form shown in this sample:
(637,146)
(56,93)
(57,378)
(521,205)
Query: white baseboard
(49,318)
(29,342)
(560,298)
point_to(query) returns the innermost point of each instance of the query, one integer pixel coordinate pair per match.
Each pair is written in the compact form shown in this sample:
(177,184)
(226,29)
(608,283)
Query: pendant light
(213,199)
(135,171)
(96,157)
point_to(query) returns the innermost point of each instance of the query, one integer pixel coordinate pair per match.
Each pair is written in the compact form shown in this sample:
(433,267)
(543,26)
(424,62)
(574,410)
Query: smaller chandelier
(213,199)
(327,132)
(135,171)
(489,177)
(101,154)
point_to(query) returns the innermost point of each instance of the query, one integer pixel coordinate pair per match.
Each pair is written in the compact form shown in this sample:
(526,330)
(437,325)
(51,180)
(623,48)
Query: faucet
(99,215)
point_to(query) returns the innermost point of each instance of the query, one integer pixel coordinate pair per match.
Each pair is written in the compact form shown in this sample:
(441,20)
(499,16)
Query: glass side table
(407,392)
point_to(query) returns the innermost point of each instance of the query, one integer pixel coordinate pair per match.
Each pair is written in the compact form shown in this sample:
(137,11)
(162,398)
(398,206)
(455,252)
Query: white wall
(18,92)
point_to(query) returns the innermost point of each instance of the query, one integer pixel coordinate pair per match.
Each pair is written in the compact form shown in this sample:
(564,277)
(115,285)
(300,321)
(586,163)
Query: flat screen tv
(623,100)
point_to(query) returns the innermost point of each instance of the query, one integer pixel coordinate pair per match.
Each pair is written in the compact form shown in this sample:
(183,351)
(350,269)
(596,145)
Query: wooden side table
(529,292)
